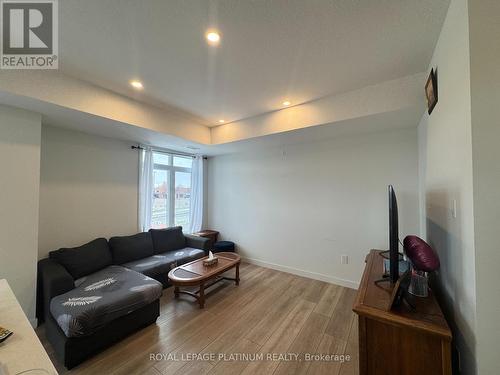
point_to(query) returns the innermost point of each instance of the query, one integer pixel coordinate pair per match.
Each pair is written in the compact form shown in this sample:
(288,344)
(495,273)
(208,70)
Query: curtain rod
(166,151)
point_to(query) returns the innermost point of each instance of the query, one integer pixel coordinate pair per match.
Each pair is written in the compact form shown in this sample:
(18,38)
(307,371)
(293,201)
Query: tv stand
(400,341)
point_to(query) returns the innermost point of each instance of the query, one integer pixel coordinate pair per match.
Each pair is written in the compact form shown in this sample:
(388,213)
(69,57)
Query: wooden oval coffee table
(196,274)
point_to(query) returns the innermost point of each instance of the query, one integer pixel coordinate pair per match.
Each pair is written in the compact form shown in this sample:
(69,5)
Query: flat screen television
(393,236)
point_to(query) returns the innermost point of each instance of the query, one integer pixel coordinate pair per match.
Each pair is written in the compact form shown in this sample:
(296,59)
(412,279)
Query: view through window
(172,190)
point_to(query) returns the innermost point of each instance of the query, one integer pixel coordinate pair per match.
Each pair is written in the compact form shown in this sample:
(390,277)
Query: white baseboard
(298,272)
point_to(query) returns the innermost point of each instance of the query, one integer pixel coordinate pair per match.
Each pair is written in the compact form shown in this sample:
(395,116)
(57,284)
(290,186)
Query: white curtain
(196,200)
(145,188)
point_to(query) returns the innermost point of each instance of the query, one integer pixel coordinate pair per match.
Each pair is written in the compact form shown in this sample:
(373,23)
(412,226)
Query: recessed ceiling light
(286,103)
(222,121)
(213,37)
(136,84)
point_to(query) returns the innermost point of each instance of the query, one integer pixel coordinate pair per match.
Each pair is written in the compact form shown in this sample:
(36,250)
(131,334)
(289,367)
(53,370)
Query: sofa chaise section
(96,294)
(62,275)
(102,297)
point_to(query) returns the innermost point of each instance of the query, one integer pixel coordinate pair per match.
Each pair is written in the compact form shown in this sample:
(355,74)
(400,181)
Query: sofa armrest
(198,242)
(52,280)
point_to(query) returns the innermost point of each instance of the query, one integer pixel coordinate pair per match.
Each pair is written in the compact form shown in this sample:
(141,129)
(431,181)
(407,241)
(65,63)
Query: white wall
(302,206)
(446,176)
(19,187)
(485,93)
(88,189)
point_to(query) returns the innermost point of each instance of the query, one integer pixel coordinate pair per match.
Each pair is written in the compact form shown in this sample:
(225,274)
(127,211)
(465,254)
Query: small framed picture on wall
(431,91)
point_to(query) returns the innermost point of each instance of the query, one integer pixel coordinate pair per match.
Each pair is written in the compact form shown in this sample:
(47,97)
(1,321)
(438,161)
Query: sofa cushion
(167,239)
(164,262)
(152,266)
(198,242)
(101,298)
(129,248)
(184,255)
(85,259)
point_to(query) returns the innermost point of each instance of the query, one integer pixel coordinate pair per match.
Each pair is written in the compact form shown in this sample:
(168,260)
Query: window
(171,190)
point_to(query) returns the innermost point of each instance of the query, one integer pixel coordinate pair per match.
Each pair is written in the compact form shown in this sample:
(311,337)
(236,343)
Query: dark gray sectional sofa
(94,295)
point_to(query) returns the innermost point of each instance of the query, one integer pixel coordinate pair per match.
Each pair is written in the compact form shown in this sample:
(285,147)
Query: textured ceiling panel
(270,50)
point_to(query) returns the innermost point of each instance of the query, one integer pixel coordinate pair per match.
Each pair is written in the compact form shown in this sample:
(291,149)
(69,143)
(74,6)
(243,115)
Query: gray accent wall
(484,25)
(88,188)
(459,164)
(446,185)
(19,187)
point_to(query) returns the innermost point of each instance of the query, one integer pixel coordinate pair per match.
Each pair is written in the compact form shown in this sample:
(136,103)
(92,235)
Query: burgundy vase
(422,256)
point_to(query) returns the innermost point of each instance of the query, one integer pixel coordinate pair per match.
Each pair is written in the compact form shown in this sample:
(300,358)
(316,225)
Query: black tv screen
(393,236)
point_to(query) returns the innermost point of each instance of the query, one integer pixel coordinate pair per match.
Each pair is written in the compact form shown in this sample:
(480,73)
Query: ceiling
(270,50)
(399,119)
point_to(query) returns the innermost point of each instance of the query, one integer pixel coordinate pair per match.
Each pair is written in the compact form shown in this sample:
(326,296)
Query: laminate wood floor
(271,315)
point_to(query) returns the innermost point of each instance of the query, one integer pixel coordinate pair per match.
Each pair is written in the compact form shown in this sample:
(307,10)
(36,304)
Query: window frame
(171,169)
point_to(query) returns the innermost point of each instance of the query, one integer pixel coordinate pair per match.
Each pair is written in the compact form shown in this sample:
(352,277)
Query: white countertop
(22,351)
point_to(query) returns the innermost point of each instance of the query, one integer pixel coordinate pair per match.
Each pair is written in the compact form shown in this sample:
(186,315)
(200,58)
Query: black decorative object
(431,91)
(226,246)
(400,293)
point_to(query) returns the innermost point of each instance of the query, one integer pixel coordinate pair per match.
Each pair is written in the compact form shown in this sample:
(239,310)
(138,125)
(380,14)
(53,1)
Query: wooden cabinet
(399,341)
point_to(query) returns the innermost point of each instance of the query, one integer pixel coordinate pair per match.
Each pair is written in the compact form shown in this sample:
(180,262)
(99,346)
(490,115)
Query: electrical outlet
(344,259)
